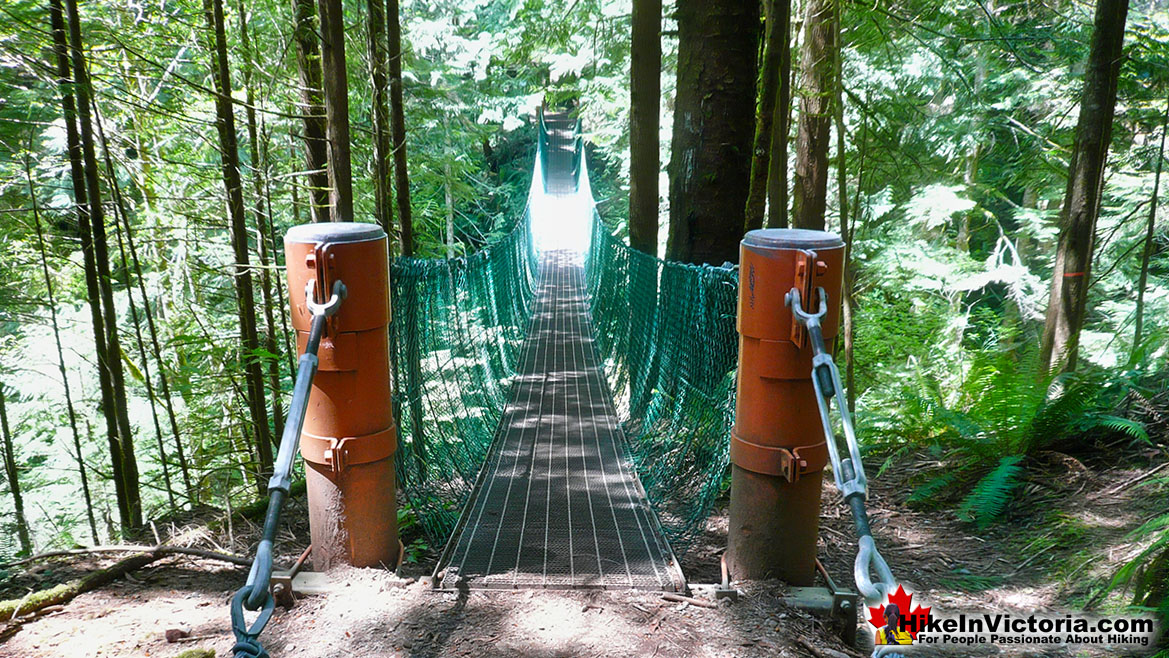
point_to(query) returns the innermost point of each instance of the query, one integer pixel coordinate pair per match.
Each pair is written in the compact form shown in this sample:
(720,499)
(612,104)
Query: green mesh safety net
(457,328)
(665,330)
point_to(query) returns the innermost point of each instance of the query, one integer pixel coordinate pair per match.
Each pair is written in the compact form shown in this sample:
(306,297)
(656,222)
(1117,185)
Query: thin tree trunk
(120,214)
(93,294)
(713,129)
(398,127)
(14,481)
(970,179)
(781,126)
(245,299)
(382,155)
(775,42)
(818,67)
(448,197)
(406,234)
(156,351)
(1059,350)
(259,175)
(336,109)
(316,145)
(272,304)
(645,90)
(1147,251)
(644,218)
(36,214)
(845,229)
(274,245)
(122,442)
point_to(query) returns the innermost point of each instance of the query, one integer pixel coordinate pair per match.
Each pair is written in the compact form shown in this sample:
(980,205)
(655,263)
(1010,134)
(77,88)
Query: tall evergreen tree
(817,73)
(398,128)
(336,78)
(714,111)
(233,184)
(316,145)
(645,85)
(121,440)
(1081,200)
(772,105)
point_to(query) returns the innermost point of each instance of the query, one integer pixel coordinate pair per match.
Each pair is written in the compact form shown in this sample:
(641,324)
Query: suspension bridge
(564,407)
(566,363)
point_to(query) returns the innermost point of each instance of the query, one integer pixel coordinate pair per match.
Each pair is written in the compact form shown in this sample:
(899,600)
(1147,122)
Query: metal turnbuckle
(848,472)
(256,594)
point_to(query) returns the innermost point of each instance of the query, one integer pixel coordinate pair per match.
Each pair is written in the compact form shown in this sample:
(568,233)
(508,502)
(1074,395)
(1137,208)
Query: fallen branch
(66,592)
(678,598)
(162,551)
(820,652)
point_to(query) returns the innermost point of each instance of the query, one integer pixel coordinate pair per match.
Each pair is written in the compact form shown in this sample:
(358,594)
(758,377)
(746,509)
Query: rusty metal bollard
(778,449)
(348,441)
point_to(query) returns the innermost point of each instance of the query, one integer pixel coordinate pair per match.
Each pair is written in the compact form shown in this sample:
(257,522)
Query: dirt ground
(1066,534)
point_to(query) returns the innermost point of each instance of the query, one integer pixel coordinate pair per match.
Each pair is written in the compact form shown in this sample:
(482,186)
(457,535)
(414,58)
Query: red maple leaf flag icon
(911,622)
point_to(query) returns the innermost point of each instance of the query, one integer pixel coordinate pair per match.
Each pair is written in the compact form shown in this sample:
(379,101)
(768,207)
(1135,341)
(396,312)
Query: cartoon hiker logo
(895,623)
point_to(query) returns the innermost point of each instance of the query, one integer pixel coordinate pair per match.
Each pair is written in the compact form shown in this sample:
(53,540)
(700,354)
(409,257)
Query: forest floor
(1065,536)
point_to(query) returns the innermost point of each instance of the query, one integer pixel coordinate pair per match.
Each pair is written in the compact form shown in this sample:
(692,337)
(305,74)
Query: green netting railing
(457,329)
(666,332)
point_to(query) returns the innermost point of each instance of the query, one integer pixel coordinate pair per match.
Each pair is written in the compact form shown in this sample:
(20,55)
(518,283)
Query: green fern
(1118,425)
(987,501)
(927,493)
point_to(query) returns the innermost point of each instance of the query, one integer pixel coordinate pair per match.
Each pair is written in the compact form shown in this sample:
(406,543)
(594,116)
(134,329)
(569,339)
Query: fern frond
(1131,428)
(927,492)
(988,499)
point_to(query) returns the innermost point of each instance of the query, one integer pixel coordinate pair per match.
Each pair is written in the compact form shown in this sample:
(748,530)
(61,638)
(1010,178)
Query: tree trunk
(52,303)
(156,350)
(845,229)
(259,177)
(93,293)
(781,126)
(645,83)
(1081,203)
(122,440)
(336,109)
(316,146)
(713,129)
(13,475)
(382,155)
(778,20)
(245,300)
(817,70)
(121,219)
(398,127)
(1147,251)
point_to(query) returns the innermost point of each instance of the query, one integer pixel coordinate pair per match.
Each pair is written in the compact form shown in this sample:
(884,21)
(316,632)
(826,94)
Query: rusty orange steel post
(348,441)
(778,449)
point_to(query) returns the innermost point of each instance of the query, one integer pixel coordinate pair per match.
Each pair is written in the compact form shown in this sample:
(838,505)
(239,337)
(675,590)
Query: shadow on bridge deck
(558,504)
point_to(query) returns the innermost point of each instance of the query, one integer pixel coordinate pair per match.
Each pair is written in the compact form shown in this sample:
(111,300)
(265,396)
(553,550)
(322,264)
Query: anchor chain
(257,593)
(849,471)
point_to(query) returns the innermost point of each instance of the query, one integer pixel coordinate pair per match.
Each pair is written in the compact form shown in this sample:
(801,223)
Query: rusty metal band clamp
(848,472)
(257,594)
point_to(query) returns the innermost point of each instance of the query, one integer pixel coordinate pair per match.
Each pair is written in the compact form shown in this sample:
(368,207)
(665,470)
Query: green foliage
(1001,412)
(987,501)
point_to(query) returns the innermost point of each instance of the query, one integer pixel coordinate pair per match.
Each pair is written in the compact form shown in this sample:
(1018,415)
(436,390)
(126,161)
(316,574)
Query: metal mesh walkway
(557,504)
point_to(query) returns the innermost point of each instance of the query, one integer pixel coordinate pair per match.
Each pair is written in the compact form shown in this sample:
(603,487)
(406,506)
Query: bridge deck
(558,504)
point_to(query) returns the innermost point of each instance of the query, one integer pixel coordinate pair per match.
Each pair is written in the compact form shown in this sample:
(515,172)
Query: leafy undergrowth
(1067,529)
